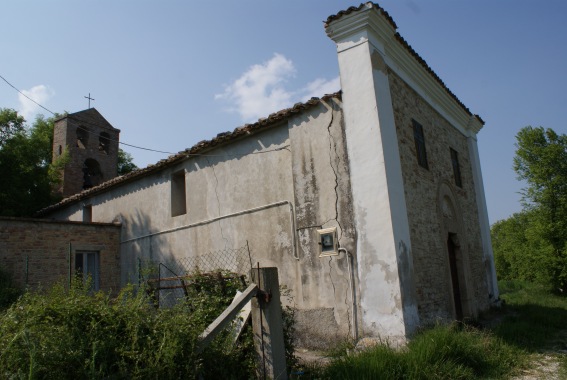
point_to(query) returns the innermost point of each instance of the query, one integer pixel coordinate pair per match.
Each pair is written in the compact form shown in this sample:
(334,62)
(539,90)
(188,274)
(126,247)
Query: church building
(369,201)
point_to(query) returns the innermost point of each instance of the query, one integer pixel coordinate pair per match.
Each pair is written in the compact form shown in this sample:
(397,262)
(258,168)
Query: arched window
(92,175)
(103,142)
(82,137)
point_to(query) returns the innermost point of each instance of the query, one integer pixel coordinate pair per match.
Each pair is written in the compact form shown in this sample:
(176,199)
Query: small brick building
(39,252)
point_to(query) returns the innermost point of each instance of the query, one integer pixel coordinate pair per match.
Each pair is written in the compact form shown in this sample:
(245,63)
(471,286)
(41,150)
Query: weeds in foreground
(70,334)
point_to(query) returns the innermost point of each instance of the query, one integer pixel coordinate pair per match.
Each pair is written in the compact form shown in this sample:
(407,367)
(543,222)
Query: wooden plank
(240,320)
(226,317)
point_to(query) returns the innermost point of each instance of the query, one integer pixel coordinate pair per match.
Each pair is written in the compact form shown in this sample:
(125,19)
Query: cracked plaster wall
(322,197)
(304,163)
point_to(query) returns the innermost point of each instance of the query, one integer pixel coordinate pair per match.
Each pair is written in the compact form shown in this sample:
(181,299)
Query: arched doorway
(457,267)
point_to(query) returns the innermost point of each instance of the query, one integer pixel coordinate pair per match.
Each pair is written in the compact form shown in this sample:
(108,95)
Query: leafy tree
(25,165)
(125,163)
(541,161)
(10,124)
(519,251)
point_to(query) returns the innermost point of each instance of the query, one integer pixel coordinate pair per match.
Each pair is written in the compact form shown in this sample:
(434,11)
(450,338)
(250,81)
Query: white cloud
(28,109)
(262,90)
(320,87)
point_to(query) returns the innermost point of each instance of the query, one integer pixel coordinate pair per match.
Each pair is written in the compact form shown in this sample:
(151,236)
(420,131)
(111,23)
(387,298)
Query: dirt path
(544,366)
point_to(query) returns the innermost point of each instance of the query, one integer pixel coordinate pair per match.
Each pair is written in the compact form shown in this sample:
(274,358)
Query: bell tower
(91,143)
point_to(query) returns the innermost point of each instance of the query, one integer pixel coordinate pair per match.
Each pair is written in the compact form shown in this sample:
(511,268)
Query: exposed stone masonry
(428,239)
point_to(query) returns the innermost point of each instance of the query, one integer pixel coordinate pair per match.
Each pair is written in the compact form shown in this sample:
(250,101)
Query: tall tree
(25,165)
(541,161)
(520,253)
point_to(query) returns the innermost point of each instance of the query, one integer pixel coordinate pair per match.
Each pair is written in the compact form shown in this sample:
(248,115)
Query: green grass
(443,352)
(532,320)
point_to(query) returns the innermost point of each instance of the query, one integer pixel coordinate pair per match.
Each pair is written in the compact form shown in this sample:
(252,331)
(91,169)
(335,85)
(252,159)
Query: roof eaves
(199,148)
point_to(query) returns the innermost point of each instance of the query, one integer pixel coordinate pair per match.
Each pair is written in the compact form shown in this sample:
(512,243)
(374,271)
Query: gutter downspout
(350,262)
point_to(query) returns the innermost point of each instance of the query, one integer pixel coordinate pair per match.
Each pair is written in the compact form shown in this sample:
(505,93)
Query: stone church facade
(369,201)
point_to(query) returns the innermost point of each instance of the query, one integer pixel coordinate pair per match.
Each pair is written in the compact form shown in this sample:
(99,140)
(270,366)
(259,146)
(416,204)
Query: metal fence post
(139,272)
(27,269)
(69,265)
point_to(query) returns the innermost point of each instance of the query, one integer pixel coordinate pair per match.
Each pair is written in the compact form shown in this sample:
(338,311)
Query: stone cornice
(369,23)
(351,24)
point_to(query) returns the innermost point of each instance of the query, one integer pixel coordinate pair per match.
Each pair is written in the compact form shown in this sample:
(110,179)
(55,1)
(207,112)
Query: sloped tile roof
(202,146)
(358,8)
(405,44)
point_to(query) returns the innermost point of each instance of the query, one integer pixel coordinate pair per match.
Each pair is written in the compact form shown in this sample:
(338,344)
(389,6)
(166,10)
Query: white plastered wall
(384,250)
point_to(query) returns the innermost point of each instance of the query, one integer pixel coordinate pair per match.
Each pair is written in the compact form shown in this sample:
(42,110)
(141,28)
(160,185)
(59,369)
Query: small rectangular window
(87,267)
(178,195)
(87,213)
(456,167)
(419,139)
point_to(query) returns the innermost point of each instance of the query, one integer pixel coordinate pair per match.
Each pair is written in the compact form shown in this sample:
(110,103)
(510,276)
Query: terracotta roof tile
(356,9)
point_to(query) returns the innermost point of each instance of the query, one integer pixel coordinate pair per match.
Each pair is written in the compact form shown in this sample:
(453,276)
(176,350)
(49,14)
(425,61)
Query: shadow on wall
(144,249)
(135,245)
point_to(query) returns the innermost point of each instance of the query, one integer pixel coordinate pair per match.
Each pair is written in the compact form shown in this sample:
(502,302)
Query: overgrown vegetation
(70,334)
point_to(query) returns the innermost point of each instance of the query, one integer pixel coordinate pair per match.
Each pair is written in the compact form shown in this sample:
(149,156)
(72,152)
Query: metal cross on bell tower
(89,98)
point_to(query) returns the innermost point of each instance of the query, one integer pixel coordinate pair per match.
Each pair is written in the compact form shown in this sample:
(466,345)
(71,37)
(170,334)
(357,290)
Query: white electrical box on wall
(328,242)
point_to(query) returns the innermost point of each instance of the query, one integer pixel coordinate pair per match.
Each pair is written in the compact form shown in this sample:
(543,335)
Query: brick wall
(37,251)
(427,225)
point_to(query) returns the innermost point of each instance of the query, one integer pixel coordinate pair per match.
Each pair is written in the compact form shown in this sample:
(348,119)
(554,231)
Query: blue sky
(171,73)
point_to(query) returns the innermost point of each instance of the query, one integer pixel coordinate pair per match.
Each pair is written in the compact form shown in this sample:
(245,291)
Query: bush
(69,334)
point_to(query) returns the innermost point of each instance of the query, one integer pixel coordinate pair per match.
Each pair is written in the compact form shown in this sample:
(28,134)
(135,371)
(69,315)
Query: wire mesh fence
(168,279)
